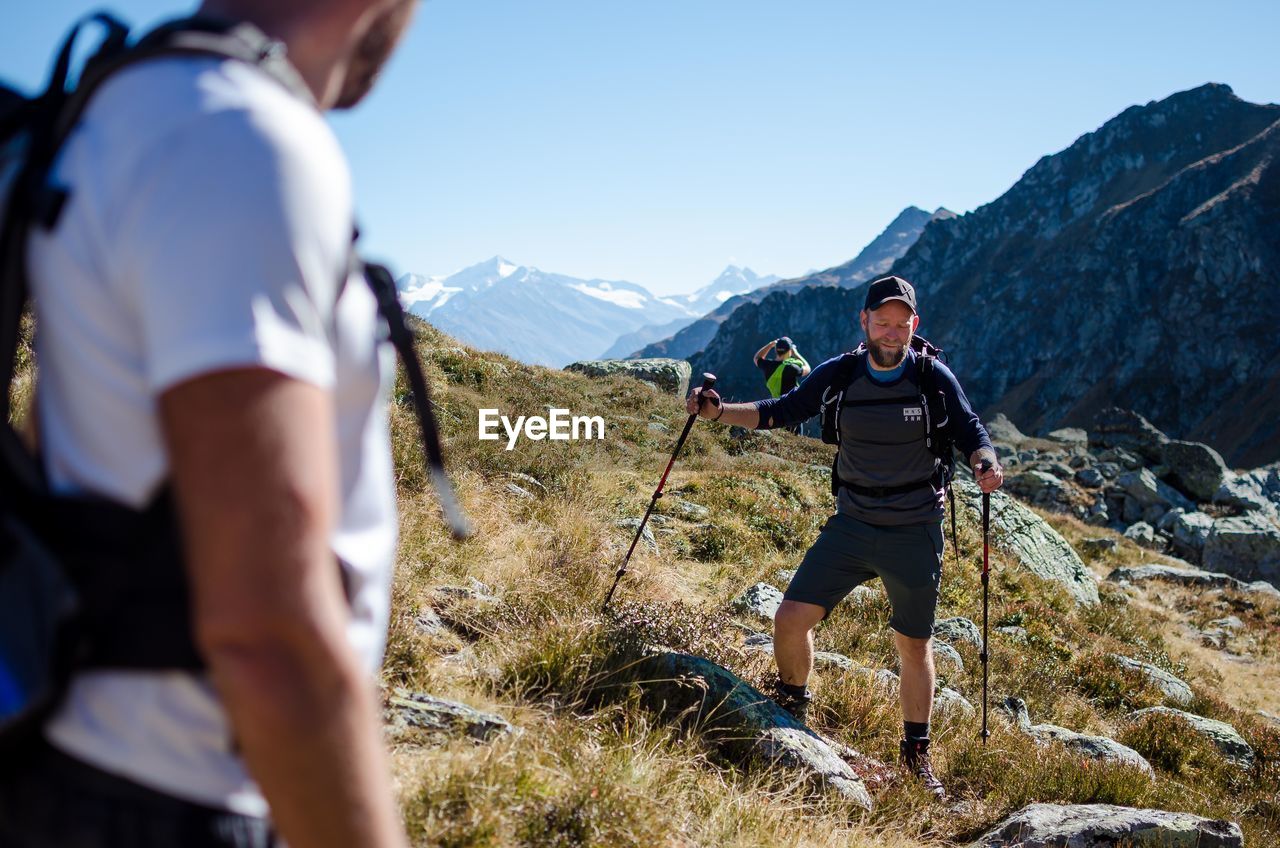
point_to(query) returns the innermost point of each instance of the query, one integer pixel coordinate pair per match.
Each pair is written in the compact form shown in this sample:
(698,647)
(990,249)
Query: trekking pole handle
(984,466)
(708,383)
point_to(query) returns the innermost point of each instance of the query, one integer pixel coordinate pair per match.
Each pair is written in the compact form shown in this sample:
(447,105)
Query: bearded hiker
(784,371)
(888,405)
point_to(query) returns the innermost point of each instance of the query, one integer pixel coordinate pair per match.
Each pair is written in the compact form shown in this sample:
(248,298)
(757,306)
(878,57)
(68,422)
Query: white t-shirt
(209,228)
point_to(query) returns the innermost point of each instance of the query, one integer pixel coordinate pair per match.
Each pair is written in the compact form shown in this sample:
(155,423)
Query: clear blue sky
(657,141)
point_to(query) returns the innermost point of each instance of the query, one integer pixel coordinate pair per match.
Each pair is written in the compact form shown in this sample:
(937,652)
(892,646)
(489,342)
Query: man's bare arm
(763,352)
(254,471)
(735,414)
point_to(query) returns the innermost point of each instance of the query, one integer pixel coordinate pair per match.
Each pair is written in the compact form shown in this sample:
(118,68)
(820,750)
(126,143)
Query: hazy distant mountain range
(873,261)
(553,319)
(1138,267)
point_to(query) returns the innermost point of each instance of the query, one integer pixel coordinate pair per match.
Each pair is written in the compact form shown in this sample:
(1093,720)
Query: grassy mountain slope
(593,767)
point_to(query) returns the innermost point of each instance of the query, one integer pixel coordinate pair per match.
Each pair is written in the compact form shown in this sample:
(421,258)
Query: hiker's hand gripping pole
(986,582)
(708,382)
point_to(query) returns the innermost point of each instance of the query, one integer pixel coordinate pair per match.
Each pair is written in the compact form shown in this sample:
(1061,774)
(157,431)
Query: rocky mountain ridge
(872,261)
(1137,266)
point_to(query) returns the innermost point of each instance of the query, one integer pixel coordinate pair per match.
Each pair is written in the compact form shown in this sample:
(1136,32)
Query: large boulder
(1108,826)
(747,726)
(1091,747)
(669,375)
(1121,428)
(1146,490)
(1188,530)
(1029,539)
(1245,546)
(1195,468)
(1258,489)
(1223,736)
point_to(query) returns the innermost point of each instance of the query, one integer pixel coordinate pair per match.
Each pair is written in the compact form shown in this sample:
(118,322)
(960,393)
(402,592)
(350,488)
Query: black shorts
(849,552)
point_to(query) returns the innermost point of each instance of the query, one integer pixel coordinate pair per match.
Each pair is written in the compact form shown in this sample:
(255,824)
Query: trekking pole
(708,382)
(983,467)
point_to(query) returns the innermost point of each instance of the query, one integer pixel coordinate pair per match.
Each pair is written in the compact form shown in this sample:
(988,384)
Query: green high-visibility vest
(775,379)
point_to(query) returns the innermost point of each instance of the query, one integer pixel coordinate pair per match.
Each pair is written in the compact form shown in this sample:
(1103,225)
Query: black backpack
(87,583)
(933,403)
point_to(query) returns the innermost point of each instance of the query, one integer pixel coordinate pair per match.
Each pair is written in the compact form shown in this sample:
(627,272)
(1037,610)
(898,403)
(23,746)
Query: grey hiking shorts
(849,552)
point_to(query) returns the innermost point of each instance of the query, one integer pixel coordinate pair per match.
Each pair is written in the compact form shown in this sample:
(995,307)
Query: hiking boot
(915,756)
(793,699)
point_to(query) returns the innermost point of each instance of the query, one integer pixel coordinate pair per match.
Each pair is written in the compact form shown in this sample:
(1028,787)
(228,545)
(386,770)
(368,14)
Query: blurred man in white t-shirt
(195,332)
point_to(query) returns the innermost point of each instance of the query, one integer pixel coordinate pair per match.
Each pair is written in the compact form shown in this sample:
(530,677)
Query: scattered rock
(1195,468)
(473,591)
(528,481)
(947,659)
(1171,687)
(669,375)
(658,427)
(1092,747)
(1142,533)
(1246,546)
(1189,532)
(520,492)
(428,622)
(1181,576)
(958,629)
(1014,632)
(746,725)
(761,599)
(1223,736)
(864,594)
(1108,470)
(687,509)
(646,536)
(407,710)
(1035,545)
(1107,826)
(948,701)
(1090,478)
(831,659)
(1100,545)
(1114,427)
(1070,436)
(785,575)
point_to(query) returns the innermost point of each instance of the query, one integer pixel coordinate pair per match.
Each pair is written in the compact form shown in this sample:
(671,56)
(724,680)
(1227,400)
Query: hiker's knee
(914,651)
(796,617)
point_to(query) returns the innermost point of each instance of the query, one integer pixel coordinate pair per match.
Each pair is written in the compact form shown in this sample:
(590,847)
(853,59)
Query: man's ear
(915,323)
(862,319)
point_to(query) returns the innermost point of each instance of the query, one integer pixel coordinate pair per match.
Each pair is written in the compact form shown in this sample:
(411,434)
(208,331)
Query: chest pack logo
(912,413)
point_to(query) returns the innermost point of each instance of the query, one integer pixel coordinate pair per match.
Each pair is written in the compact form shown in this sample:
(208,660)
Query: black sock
(915,729)
(794,691)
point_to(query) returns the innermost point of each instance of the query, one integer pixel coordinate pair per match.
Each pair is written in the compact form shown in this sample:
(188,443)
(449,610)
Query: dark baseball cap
(784,343)
(890,288)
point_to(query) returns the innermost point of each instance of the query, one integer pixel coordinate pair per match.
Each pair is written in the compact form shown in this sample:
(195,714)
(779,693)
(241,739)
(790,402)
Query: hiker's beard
(885,357)
(373,52)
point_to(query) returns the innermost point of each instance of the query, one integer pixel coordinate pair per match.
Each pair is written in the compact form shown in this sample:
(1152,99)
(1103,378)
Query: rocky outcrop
(669,375)
(1246,546)
(1091,747)
(1031,542)
(1108,826)
(958,629)
(1221,735)
(747,726)
(1258,490)
(1187,577)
